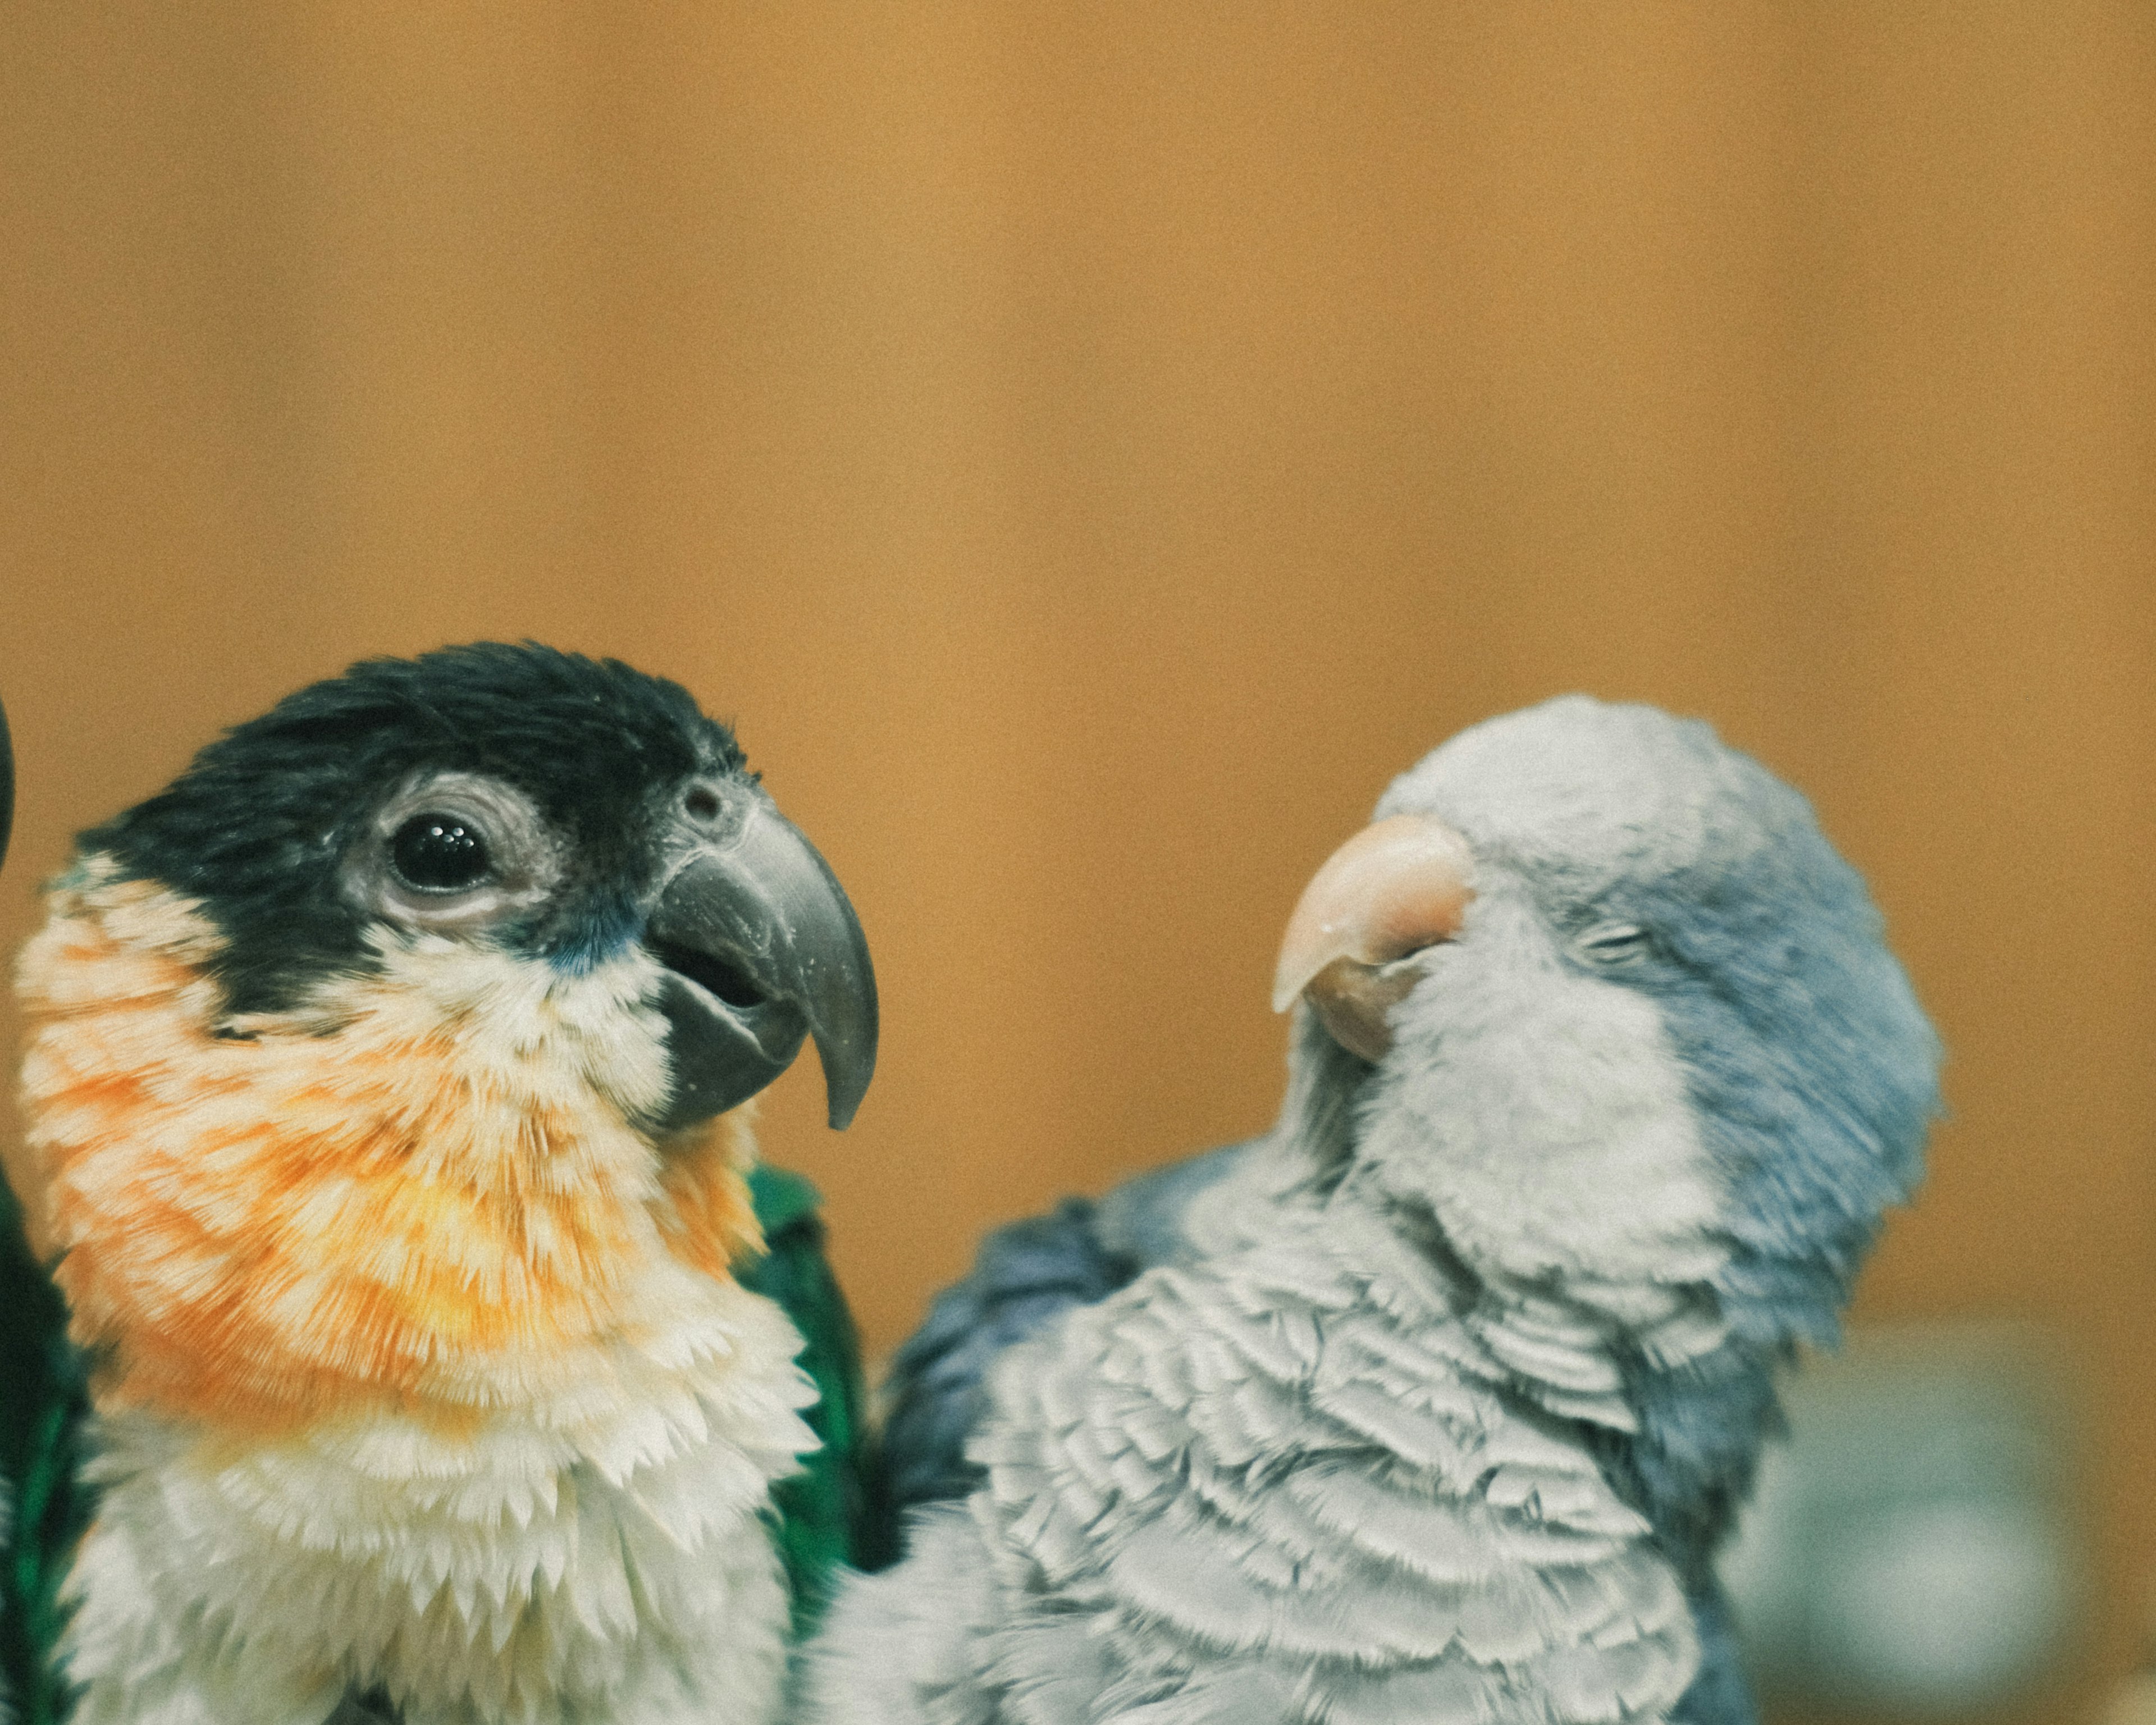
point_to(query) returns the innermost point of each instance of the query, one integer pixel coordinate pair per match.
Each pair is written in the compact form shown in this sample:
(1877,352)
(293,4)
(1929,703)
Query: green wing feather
(44,1398)
(831,1514)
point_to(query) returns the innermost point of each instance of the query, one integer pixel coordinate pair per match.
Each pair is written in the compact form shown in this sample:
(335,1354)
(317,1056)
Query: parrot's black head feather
(258,827)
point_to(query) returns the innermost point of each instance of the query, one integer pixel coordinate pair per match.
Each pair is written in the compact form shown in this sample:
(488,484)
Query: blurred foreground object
(1907,1548)
(1437,1402)
(2134,1701)
(385,1085)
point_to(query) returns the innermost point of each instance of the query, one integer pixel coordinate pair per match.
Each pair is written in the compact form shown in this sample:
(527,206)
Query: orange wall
(1090,449)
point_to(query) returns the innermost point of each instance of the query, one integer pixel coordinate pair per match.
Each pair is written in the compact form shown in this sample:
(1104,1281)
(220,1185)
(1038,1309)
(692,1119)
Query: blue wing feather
(1027,1274)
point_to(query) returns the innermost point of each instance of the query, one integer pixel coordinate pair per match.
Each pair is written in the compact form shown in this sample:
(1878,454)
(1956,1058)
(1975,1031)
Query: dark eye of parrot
(440,853)
(449,851)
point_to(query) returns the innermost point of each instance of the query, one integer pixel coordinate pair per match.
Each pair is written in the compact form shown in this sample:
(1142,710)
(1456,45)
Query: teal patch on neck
(781,1199)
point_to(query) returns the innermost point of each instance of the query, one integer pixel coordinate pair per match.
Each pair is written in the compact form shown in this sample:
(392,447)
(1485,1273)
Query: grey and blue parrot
(1435,1402)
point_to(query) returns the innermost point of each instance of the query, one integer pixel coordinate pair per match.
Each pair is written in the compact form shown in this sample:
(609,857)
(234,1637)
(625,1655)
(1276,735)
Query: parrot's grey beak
(761,949)
(1398,887)
(7,786)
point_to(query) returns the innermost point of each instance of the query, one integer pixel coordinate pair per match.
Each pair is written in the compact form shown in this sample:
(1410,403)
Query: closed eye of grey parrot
(1434,1403)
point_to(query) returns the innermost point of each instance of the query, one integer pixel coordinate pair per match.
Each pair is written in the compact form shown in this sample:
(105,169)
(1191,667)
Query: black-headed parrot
(424,1342)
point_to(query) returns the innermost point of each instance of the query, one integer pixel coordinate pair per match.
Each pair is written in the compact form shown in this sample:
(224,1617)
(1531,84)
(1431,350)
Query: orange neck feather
(384,1204)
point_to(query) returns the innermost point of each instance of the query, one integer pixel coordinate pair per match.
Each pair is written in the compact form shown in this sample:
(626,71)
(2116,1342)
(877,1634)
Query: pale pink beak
(1396,887)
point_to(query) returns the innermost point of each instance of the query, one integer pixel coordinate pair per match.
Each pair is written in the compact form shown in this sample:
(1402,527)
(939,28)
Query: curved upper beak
(1398,887)
(762,949)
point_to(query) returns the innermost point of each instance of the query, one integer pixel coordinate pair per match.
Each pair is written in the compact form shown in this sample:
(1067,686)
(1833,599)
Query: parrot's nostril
(708,971)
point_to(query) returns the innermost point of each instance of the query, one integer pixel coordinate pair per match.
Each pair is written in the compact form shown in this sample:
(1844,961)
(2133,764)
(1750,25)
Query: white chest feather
(1286,1487)
(595,1557)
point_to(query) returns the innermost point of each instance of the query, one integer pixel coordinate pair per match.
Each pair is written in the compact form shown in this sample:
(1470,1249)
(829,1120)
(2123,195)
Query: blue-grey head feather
(1812,1070)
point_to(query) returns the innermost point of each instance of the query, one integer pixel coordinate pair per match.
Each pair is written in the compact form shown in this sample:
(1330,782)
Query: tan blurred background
(1090,449)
